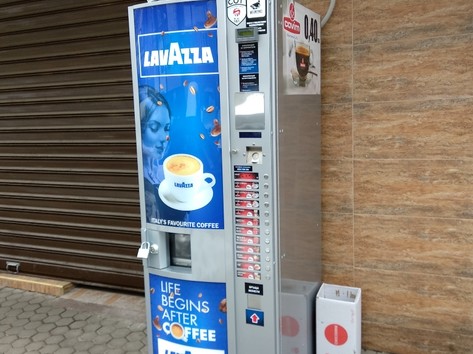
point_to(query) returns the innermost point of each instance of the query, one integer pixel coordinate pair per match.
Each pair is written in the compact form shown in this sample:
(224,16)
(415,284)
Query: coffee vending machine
(227,110)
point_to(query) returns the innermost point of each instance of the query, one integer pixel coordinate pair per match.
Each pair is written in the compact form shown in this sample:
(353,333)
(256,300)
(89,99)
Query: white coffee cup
(184,175)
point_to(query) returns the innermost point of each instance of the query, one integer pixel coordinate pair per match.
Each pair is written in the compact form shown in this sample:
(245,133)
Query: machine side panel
(299,143)
(299,187)
(299,174)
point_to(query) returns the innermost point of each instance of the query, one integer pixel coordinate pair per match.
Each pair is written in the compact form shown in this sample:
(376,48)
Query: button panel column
(252,225)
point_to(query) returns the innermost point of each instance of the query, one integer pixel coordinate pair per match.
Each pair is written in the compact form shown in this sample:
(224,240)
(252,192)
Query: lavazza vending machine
(227,110)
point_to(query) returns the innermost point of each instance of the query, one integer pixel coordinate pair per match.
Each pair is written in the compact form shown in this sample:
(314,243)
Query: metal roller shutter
(68,178)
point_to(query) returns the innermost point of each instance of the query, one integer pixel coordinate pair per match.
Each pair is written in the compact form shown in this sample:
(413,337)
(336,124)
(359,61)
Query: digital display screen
(246,32)
(246,175)
(249,34)
(250,135)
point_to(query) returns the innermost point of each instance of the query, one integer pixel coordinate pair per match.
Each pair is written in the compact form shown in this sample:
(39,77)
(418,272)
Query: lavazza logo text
(176,55)
(183,185)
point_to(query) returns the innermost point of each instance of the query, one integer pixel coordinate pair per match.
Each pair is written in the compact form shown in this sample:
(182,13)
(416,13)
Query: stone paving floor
(35,323)
(83,321)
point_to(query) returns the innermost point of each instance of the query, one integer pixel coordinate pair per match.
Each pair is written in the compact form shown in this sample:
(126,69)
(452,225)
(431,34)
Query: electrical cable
(329,13)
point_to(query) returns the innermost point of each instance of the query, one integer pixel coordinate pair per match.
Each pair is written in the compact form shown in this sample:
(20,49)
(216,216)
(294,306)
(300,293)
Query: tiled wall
(397,149)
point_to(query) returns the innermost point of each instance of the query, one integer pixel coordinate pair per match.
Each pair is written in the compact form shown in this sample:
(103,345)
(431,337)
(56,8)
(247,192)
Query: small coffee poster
(188,316)
(180,118)
(301,50)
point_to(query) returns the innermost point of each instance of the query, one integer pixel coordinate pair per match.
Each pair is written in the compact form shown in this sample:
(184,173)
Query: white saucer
(201,199)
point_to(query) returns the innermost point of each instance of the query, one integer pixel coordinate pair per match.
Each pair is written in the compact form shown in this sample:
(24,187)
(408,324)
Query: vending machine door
(177,75)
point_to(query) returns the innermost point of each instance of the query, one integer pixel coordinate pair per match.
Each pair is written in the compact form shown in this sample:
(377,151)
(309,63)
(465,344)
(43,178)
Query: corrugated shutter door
(68,178)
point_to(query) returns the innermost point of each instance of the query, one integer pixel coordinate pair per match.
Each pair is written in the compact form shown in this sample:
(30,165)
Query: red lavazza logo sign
(290,23)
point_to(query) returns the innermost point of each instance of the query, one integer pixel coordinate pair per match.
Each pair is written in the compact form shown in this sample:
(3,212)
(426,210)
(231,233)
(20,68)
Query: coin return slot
(254,155)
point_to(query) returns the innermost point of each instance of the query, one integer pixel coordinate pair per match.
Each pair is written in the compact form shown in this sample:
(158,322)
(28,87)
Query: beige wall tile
(337,131)
(340,275)
(338,30)
(336,75)
(397,171)
(337,240)
(387,20)
(433,129)
(392,339)
(337,184)
(423,245)
(428,68)
(416,300)
(426,188)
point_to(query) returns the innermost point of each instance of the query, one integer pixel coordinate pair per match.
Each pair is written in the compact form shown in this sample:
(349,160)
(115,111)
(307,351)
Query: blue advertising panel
(188,316)
(180,118)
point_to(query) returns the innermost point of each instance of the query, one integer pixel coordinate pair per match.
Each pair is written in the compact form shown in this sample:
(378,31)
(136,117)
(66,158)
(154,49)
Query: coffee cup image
(302,60)
(177,331)
(185,179)
(302,54)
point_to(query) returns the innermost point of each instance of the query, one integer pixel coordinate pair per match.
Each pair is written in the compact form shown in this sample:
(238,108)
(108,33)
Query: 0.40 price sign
(311,29)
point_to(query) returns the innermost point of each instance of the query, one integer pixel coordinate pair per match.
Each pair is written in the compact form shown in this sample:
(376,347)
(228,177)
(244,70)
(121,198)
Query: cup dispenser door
(180,250)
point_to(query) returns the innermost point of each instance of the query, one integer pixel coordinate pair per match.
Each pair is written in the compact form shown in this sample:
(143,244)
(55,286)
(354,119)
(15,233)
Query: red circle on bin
(336,334)
(289,326)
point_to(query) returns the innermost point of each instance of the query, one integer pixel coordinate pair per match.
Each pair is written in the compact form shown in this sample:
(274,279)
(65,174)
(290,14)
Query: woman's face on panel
(156,131)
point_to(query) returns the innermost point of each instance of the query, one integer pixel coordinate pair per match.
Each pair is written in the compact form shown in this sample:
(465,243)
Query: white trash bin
(297,321)
(338,320)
